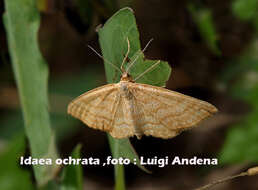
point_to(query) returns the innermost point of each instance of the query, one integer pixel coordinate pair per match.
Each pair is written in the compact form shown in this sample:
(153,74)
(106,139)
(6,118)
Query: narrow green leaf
(72,174)
(204,21)
(113,41)
(21,21)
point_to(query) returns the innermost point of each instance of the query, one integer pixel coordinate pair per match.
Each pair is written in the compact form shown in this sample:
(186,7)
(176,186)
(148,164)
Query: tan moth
(128,108)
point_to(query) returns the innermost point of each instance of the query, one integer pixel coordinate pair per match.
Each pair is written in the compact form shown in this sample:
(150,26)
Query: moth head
(126,77)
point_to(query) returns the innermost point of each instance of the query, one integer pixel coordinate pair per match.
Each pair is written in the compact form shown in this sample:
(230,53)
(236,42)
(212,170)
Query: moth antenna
(147,70)
(139,53)
(127,53)
(114,66)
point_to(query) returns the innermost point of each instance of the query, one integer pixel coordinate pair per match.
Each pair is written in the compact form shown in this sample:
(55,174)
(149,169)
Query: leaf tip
(127,8)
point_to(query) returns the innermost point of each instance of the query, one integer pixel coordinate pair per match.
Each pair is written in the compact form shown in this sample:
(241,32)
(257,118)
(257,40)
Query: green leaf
(12,176)
(245,9)
(21,21)
(123,148)
(72,174)
(113,41)
(112,38)
(241,143)
(203,19)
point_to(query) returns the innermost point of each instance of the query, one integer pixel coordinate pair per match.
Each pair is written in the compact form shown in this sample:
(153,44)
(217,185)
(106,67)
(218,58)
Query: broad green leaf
(112,38)
(113,41)
(21,21)
(72,174)
(12,176)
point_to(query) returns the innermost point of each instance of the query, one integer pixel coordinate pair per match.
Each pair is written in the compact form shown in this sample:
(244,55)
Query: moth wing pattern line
(167,113)
(96,108)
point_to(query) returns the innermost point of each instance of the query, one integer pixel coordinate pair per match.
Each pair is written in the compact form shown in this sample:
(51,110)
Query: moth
(127,108)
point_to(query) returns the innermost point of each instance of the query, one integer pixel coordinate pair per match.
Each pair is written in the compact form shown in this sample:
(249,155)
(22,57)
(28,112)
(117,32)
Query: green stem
(119,177)
(119,169)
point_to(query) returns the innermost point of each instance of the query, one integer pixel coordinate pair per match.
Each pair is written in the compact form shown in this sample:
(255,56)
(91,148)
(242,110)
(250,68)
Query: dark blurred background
(212,48)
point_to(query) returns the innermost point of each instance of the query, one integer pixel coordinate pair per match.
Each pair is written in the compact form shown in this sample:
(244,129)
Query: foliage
(245,9)
(241,143)
(72,174)
(11,174)
(241,80)
(204,21)
(22,22)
